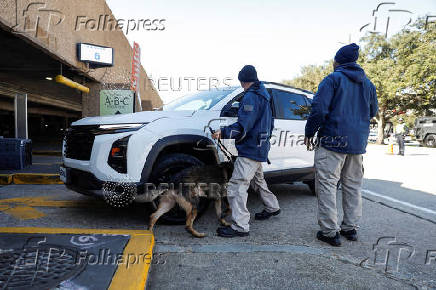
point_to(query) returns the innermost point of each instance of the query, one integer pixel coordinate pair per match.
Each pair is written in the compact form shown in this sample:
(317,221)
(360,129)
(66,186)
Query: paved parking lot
(409,178)
(396,249)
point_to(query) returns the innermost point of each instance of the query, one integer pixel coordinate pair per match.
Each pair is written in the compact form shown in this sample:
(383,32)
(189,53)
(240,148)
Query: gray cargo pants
(247,170)
(331,166)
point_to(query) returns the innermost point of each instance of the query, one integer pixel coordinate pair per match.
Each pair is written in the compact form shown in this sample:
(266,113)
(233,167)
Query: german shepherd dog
(208,181)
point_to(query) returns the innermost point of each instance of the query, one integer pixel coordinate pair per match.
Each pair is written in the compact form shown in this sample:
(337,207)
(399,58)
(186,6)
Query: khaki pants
(247,170)
(400,141)
(331,166)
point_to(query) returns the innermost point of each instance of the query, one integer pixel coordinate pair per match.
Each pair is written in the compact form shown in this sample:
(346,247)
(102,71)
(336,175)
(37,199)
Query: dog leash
(223,148)
(226,152)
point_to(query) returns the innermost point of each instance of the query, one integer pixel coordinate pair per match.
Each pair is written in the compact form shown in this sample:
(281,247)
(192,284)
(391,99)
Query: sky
(210,41)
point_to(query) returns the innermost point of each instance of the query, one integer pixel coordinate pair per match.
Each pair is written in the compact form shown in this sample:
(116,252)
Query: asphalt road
(408,182)
(396,247)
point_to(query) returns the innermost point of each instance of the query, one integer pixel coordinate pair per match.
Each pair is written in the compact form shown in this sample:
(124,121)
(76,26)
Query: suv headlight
(118,155)
(120,128)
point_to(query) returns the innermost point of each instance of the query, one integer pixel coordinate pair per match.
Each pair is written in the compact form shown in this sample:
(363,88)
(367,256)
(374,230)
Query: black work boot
(351,235)
(265,215)
(333,241)
(229,232)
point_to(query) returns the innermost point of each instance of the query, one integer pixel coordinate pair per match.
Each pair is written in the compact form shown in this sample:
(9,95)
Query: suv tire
(167,170)
(430,140)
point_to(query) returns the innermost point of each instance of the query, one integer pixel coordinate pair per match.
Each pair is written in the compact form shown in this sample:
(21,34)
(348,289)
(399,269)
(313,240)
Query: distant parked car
(425,131)
(372,136)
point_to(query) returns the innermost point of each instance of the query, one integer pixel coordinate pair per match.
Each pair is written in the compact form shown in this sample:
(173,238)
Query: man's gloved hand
(308,141)
(216,134)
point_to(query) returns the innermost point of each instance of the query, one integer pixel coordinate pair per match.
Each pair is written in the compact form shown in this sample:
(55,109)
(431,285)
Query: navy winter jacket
(255,123)
(341,110)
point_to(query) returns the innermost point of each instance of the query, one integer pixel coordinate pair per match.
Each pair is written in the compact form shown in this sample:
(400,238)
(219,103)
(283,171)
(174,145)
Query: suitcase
(15,153)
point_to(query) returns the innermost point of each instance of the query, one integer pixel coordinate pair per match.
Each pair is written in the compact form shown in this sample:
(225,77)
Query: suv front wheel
(167,170)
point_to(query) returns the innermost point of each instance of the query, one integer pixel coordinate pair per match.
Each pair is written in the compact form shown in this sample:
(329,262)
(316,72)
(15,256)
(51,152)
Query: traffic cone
(391,149)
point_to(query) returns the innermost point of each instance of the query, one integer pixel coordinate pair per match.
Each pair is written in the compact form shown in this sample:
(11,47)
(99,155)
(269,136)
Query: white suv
(151,147)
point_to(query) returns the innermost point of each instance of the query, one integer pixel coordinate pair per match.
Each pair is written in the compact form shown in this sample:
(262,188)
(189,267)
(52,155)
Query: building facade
(39,41)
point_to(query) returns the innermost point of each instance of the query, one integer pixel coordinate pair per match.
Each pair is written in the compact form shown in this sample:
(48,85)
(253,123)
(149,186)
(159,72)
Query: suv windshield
(198,101)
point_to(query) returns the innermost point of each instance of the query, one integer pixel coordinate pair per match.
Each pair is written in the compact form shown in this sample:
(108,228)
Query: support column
(20,107)
(91,101)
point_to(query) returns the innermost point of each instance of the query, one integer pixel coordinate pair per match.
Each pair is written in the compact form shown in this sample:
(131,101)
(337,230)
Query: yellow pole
(72,84)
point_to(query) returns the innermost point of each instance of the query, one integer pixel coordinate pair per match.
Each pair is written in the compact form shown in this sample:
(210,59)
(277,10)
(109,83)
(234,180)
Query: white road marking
(423,209)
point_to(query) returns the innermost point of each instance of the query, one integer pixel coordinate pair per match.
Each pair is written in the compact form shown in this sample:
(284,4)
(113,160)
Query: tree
(377,59)
(310,76)
(415,50)
(402,68)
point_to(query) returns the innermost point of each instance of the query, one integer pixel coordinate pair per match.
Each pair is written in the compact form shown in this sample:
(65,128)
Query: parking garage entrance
(32,105)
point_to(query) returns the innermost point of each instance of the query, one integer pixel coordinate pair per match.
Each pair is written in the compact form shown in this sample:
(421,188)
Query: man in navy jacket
(341,111)
(252,133)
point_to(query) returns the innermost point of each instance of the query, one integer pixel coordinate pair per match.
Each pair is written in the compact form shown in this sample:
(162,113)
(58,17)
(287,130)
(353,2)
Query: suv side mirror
(235,105)
(231,111)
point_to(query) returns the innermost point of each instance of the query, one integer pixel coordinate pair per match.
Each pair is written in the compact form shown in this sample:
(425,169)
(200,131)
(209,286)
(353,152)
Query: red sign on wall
(136,67)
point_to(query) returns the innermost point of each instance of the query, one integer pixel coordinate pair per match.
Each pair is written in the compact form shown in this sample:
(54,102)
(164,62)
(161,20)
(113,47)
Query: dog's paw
(225,223)
(195,233)
(200,235)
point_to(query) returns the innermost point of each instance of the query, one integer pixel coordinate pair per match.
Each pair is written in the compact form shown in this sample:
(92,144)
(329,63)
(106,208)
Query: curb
(29,178)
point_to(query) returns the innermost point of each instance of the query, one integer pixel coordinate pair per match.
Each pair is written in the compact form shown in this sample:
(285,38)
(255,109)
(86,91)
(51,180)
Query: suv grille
(79,141)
